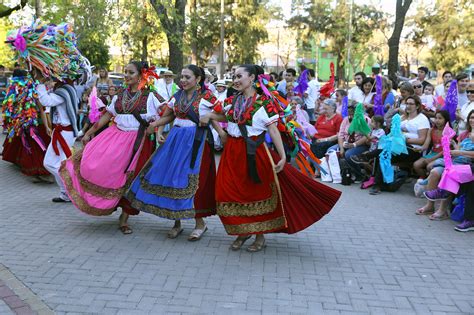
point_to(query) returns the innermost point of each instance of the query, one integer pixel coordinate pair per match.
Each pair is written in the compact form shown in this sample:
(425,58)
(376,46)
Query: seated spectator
(415,127)
(388,96)
(301,116)
(327,127)
(464,110)
(351,144)
(406,90)
(433,142)
(371,156)
(418,88)
(468,190)
(463,82)
(462,155)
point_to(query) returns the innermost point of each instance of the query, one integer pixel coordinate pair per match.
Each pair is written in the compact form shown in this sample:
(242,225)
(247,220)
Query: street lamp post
(221,49)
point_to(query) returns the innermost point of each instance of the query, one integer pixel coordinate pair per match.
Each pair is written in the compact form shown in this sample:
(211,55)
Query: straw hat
(220,83)
(168,73)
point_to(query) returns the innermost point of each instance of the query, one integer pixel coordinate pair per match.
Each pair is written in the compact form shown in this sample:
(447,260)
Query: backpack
(346,172)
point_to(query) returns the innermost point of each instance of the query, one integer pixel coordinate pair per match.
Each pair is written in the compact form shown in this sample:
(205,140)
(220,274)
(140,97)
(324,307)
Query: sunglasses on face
(409,103)
(470,91)
(418,86)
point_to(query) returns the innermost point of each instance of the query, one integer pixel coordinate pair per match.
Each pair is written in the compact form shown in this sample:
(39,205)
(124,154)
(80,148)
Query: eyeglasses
(470,91)
(418,86)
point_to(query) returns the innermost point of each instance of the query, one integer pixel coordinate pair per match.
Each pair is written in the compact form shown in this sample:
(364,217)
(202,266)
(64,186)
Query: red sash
(58,137)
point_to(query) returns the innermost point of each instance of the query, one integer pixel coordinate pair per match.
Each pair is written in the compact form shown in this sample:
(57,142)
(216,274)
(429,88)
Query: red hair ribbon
(328,88)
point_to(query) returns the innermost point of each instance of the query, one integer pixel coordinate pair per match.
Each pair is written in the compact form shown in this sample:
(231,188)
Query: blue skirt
(167,184)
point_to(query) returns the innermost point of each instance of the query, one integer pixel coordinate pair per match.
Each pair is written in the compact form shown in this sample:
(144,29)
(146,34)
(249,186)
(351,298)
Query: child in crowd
(433,142)
(429,101)
(377,131)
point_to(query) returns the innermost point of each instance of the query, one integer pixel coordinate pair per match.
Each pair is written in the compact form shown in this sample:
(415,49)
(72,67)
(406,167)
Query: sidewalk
(370,254)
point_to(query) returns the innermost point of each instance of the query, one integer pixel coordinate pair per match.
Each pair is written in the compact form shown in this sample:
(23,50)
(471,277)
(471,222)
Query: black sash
(199,136)
(251,147)
(141,133)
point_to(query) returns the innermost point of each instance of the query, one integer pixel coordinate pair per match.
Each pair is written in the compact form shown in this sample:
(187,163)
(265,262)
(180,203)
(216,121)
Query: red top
(327,128)
(436,141)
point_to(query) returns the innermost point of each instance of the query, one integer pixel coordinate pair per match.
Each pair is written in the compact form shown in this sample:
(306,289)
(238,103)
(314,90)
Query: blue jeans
(355,151)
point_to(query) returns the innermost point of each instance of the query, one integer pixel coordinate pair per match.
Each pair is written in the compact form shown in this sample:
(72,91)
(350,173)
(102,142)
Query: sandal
(196,234)
(423,211)
(174,232)
(256,247)
(125,229)
(437,217)
(237,244)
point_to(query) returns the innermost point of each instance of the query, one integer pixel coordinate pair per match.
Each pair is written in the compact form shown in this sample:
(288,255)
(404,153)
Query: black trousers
(468,190)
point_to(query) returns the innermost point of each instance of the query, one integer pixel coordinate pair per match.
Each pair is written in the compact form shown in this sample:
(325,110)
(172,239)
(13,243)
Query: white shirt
(356,94)
(127,122)
(410,127)
(366,99)
(428,101)
(60,116)
(462,99)
(313,94)
(221,96)
(260,123)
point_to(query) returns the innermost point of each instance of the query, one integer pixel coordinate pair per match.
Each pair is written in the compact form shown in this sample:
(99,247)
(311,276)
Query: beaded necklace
(129,101)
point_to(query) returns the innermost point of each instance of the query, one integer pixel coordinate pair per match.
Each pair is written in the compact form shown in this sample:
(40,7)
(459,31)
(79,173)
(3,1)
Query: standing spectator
(166,85)
(327,127)
(311,95)
(463,81)
(290,77)
(422,74)
(103,82)
(221,90)
(439,90)
(355,93)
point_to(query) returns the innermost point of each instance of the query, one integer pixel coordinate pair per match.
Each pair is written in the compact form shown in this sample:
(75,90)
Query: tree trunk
(38,9)
(145,48)
(340,69)
(394,41)
(194,45)
(173,24)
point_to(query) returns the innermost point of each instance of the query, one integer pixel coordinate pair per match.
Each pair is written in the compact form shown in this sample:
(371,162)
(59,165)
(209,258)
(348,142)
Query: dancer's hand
(204,121)
(86,139)
(223,136)
(161,139)
(151,129)
(279,166)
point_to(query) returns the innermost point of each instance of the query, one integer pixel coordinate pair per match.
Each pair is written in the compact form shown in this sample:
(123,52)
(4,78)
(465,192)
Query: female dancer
(179,181)
(251,198)
(97,176)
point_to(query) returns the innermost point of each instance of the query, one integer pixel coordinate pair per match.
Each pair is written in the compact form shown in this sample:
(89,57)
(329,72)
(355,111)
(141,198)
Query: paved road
(370,254)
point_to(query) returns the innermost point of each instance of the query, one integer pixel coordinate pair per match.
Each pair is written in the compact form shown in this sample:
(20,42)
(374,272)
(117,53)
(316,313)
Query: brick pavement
(371,254)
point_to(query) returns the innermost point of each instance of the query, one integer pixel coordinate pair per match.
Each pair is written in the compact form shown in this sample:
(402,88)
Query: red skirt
(30,163)
(247,208)
(205,200)
(148,148)
(305,200)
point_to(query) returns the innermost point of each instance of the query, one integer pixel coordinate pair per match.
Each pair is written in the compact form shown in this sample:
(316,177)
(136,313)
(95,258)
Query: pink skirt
(97,176)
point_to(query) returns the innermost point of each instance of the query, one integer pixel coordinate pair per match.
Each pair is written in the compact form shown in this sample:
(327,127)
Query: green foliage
(319,16)
(449,26)
(90,20)
(6,53)
(245,30)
